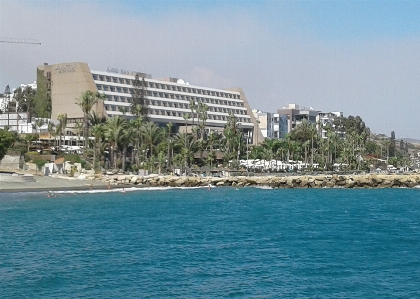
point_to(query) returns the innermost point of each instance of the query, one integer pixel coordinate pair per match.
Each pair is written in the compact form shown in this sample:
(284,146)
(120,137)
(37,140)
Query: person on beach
(122,191)
(109,185)
(49,194)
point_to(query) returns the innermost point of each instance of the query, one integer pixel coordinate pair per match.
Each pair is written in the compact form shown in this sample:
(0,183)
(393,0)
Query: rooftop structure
(295,114)
(272,125)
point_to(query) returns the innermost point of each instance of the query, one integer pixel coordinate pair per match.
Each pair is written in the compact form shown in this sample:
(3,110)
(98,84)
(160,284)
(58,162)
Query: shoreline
(103,182)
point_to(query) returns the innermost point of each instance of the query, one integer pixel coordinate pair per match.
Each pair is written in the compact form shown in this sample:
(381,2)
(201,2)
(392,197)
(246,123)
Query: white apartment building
(168,100)
(16,122)
(325,120)
(272,125)
(296,114)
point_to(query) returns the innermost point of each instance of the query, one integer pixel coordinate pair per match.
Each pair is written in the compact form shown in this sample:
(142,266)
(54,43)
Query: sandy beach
(46,183)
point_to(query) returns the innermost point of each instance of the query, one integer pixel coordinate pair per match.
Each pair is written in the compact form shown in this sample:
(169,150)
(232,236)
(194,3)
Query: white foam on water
(264,187)
(120,190)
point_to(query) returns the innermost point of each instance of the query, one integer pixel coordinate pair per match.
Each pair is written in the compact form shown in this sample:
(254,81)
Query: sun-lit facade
(168,100)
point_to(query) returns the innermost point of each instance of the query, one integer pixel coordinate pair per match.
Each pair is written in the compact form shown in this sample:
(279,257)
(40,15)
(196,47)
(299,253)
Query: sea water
(223,243)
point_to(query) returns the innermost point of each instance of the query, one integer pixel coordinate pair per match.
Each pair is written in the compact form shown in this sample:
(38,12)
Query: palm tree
(152,135)
(193,107)
(86,102)
(115,128)
(78,128)
(189,146)
(62,124)
(186,116)
(53,130)
(137,123)
(231,132)
(213,139)
(124,142)
(96,118)
(387,144)
(305,133)
(123,110)
(169,142)
(98,134)
(37,126)
(202,115)
(138,106)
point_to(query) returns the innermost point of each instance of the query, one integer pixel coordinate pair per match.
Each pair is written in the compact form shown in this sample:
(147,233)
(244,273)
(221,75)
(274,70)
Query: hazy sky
(358,57)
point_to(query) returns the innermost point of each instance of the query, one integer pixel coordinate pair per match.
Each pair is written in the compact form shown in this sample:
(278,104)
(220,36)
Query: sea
(218,243)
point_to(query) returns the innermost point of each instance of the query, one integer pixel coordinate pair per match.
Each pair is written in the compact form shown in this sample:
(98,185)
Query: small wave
(131,189)
(264,187)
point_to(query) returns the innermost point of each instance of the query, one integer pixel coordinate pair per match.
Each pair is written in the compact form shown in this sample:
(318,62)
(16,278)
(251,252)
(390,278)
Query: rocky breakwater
(304,181)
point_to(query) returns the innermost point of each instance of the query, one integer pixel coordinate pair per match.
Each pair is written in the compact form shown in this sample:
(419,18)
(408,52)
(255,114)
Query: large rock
(134,179)
(121,178)
(180,182)
(350,183)
(387,184)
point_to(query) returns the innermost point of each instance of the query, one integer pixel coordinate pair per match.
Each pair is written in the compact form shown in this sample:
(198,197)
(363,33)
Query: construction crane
(19,41)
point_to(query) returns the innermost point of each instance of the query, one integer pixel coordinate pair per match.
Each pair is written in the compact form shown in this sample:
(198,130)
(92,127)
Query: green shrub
(73,158)
(39,162)
(32,153)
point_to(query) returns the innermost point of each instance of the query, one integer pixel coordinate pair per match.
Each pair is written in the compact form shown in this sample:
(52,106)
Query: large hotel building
(168,100)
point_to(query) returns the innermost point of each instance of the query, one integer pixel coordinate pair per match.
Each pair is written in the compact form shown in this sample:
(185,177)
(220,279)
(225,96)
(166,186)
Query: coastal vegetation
(132,142)
(7,139)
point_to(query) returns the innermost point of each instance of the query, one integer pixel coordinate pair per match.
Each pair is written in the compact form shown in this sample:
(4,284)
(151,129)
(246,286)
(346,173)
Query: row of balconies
(172,87)
(176,105)
(181,114)
(165,95)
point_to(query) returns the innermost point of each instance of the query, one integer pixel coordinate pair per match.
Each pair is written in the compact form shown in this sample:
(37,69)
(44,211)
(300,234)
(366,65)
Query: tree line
(136,142)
